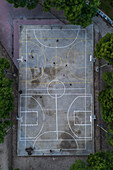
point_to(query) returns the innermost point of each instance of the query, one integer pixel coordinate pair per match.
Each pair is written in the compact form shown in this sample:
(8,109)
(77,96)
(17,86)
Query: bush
(106,99)
(104,48)
(78,165)
(6,99)
(108,78)
(101,161)
(30,4)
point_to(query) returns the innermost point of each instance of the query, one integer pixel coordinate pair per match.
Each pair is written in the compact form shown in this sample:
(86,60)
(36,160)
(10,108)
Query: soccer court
(55,107)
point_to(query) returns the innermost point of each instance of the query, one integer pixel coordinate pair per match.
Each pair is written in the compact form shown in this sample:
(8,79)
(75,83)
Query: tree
(104,48)
(76,11)
(30,4)
(101,160)
(106,99)
(108,78)
(78,165)
(6,99)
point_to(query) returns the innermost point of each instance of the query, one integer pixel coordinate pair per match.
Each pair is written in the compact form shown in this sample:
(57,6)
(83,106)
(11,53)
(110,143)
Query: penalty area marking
(56,47)
(28,124)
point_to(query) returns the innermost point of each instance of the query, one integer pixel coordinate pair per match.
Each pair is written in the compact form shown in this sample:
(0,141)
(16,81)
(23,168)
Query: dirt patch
(35,83)
(32,71)
(68,144)
(50,72)
(65,136)
(35,72)
(49,113)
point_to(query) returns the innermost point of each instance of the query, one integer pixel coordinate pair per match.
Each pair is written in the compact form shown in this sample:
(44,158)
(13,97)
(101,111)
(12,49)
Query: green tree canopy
(30,4)
(78,165)
(108,78)
(6,98)
(110,134)
(104,48)
(101,160)
(106,99)
(76,11)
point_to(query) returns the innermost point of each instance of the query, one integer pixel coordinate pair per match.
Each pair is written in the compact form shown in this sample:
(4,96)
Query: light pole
(12,74)
(97,68)
(104,130)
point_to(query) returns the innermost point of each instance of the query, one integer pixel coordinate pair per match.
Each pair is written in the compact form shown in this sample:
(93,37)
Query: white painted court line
(56,29)
(42,112)
(52,89)
(28,124)
(70,94)
(85,88)
(56,89)
(26,87)
(92,131)
(82,110)
(77,124)
(53,140)
(57,150)
(82,125)
(56,116)
(87,138)
(68,116)
(36,138)
(55,47)
(91,115)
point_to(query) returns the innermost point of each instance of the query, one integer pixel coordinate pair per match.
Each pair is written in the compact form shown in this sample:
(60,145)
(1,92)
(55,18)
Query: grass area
(107,8)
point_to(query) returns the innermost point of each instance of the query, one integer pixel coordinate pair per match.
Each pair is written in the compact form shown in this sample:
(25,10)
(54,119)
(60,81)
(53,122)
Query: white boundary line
(70,94)
(53,140)
(57,89)
(82,110)
(57,150)
(56,116)
(92,121)
(56,47)
(85,87)
(26,88)
(55,29)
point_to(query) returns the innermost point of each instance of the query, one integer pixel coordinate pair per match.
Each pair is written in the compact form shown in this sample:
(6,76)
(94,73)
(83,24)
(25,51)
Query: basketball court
(55,108)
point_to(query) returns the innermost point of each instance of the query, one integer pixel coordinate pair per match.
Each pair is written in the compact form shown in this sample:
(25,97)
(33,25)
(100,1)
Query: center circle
(56,89)
(56,61)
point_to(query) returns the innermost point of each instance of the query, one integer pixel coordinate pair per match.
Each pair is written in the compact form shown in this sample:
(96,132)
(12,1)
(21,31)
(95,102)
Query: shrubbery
(101,160)
(108,78)
(104,48)
(78,165)
(106,99)
(30,4)
(6,99)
